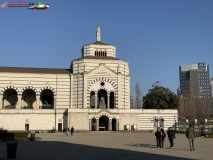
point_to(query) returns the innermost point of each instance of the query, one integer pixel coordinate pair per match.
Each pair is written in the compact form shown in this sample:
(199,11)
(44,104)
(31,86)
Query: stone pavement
(112,146)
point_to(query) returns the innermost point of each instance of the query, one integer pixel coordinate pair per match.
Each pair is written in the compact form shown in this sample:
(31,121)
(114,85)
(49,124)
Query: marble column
(1,98)
(19,101)
(110,125)
(90,125)
(96,100)
(117,125)
(37,101)
(54,101)
(108,96)
(69,115)
(97,124)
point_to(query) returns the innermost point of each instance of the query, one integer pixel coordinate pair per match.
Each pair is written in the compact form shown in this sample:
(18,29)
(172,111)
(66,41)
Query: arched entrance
(47,99)
(29,99)
(93,128)
(10,99)
(113,124)
(102,99)
(103,123)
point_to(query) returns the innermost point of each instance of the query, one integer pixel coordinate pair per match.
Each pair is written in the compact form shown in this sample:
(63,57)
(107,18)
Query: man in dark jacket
(171,136)
(191,134)
(64,130)
(158,137)
(72,130)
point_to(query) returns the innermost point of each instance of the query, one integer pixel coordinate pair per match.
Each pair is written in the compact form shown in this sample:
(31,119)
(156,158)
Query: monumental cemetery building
(94,94)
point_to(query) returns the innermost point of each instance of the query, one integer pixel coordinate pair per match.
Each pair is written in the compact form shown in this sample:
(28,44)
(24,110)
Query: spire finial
(98,34)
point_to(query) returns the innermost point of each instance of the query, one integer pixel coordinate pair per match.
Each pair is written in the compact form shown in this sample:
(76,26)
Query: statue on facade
(102,103)
(46,104)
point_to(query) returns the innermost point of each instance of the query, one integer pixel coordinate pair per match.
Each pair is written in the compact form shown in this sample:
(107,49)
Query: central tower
(98,49)
(100,80)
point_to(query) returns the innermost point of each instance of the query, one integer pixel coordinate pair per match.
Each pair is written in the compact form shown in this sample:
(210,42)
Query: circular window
(102,83)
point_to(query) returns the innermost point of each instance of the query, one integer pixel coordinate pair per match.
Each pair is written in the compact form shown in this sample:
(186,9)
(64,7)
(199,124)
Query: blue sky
(154,36)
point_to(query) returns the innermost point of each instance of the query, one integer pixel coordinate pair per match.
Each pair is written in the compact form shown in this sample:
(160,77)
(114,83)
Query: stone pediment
(103,112)
(101,68)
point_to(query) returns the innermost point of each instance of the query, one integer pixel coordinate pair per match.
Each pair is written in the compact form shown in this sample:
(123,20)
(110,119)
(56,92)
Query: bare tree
(194,105)
(137,103)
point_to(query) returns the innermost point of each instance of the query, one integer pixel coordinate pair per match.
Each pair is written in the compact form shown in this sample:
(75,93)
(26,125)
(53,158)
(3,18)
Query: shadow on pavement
(143,145)
(49,150)
(152,146)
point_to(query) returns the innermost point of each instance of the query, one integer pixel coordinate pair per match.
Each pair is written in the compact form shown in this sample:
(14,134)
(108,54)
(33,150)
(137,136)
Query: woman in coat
(162,137)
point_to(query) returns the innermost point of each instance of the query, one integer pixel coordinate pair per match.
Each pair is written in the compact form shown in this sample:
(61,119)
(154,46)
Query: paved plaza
(105,145)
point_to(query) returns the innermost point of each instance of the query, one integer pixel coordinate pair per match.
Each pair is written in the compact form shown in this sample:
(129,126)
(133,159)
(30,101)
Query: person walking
(158,137)
(163,137)
(171,136)
(64,130)
(191,134)
(72,130)
(67,131)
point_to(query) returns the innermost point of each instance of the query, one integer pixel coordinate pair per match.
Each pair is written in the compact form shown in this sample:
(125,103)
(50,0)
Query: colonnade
(109,125)
(96,100)
(20,102)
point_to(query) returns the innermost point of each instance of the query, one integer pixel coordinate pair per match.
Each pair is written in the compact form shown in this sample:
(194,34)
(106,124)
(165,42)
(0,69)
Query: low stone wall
(47,119)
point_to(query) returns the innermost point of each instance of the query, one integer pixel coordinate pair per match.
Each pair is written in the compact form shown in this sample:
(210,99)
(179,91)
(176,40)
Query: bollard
(32,137)
(11,150)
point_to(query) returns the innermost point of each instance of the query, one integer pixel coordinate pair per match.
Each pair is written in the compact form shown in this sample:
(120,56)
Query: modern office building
(178,92)
(197,77)
(211,85)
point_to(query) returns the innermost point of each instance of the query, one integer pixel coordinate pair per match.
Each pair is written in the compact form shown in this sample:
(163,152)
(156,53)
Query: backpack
(163,135)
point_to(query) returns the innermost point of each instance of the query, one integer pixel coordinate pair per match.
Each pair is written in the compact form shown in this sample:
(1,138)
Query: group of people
(190,134)
(66,131)
(160,137)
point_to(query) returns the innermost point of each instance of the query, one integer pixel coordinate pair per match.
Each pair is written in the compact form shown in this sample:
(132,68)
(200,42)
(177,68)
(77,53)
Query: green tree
(160,98)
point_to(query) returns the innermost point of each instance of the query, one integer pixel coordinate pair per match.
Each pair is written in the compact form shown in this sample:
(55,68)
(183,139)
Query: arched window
(29,98)
(102,98)
(99,53)
(47,99)
(92,99)
(95,53)
(10,99)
